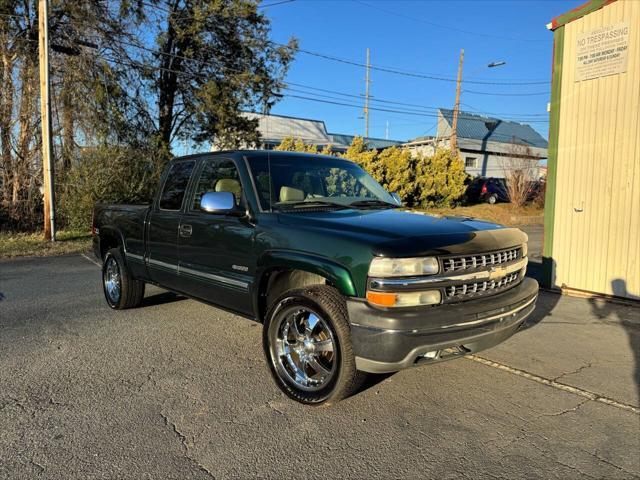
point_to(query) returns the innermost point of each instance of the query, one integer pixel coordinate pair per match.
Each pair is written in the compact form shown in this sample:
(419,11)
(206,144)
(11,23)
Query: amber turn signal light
(381,299)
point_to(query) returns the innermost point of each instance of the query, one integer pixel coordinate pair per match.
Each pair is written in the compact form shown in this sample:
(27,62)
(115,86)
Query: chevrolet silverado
(344,279)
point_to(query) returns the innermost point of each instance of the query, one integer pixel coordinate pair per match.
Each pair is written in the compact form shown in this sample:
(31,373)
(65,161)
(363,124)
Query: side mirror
(397,198)
(219,202)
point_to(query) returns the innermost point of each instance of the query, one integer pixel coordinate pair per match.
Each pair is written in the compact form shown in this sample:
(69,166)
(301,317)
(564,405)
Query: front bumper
(388,340)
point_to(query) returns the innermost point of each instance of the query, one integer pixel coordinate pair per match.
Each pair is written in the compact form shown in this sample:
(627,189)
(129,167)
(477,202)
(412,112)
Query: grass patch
(32,244)
(502,213)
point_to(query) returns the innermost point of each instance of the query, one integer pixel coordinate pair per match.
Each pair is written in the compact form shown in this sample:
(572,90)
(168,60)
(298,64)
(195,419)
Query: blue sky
(423,37)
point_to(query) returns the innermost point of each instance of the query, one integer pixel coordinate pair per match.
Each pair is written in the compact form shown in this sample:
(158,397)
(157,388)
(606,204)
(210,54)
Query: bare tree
(519,167)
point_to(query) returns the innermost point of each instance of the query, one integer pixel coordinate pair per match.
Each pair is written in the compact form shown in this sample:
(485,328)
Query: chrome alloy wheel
(111,280)
(304,350)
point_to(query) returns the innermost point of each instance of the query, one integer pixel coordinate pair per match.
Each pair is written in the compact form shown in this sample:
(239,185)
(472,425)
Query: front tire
(121,290)
(307,342)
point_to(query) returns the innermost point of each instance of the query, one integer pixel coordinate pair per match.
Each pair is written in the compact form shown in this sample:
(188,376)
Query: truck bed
(127,220)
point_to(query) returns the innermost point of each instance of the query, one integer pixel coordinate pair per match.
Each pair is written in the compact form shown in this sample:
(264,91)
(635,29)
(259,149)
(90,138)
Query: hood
(394,232)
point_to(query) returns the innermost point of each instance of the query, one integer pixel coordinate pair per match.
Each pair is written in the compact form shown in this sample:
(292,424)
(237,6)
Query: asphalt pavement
(179,389)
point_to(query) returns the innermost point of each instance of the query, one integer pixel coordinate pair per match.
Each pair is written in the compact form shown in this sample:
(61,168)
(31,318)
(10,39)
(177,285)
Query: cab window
(175,185)
(217,175)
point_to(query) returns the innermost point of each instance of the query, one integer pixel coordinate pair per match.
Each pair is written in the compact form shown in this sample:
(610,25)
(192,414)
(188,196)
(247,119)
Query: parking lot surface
(179,389)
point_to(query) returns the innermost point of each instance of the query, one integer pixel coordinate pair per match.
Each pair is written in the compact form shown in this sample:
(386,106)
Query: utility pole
(456,108)
(366,97)
(45,115)
(386,131)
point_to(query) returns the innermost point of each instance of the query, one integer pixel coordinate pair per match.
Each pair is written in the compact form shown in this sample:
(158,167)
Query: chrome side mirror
(218,202)
(397,198)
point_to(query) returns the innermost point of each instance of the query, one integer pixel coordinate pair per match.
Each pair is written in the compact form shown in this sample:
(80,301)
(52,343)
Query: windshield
(299,181)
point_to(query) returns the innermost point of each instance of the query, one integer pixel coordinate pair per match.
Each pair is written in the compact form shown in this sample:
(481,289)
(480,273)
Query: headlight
(404,299)
(525,250)
(403,267)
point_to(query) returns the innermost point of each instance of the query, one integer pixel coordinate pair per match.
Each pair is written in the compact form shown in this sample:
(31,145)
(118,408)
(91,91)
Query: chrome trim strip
(473,276)
(456,325)
(196,273)
(493,317)
(158,263)
(134,256)
(211,276)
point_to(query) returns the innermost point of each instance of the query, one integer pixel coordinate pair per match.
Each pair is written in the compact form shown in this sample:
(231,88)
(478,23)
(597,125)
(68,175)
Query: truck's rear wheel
(121,290)
(307,342)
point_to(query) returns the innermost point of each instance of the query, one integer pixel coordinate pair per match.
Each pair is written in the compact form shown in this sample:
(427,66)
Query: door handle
(186,230)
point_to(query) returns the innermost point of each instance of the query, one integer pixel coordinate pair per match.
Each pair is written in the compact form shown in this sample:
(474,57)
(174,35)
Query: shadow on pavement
(545,305)
(606,309)
(372,380)
(547,301)
(161,299)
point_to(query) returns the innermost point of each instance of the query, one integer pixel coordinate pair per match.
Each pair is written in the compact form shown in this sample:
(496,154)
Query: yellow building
(592,214)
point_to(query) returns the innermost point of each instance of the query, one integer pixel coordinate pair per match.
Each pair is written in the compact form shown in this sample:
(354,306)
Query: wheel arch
(110,237)
(281,271)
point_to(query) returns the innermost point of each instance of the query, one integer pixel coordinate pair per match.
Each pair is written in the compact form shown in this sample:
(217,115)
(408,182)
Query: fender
(278,259)
(335,273)
(110,230)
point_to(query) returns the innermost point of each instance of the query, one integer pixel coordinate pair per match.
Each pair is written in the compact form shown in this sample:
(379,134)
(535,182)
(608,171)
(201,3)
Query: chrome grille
(468,290)
(469,262)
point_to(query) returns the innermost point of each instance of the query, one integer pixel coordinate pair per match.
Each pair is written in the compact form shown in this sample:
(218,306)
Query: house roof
(277,127)
(342,139)
(490,129)
(274,128)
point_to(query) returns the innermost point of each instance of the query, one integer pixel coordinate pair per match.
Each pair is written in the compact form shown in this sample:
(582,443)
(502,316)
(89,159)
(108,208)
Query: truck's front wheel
(121,290)
(307,342)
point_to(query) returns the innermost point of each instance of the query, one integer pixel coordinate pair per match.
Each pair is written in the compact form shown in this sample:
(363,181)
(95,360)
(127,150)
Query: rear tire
(121,290)
(492,199)
(307,343)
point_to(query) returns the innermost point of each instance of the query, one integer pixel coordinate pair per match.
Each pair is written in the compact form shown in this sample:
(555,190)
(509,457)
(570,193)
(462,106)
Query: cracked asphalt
(178,389)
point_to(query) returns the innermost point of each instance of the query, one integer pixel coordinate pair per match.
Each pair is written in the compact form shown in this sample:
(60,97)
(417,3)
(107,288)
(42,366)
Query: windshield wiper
(373,203)
(309,204)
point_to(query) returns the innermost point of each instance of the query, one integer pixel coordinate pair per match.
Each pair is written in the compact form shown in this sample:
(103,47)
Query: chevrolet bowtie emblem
(497,272)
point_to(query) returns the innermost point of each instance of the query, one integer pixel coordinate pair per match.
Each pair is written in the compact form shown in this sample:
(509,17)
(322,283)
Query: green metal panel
(338,275)
(552,161)
(578,12)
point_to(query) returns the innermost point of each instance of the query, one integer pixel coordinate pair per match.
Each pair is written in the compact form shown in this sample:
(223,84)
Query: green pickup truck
(344,280)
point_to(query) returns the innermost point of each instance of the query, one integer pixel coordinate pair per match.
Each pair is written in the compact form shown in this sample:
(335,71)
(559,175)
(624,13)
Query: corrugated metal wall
(596,235)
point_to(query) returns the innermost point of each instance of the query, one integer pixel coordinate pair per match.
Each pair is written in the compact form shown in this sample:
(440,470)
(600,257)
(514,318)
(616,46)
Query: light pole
(456,108)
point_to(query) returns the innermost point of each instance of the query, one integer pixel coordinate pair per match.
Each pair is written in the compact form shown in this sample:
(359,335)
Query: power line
(418,108)
(526,94)
(411,74)
(502,114)
(404,112)
(374,99)
(320,100)
(331,102)
(379,100)
(275,3)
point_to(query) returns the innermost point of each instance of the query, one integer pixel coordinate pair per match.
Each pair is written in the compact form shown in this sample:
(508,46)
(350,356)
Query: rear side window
(175,186)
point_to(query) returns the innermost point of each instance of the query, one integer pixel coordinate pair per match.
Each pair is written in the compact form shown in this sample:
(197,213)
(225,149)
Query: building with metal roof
(275,128)
(486,144)
(375,143)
